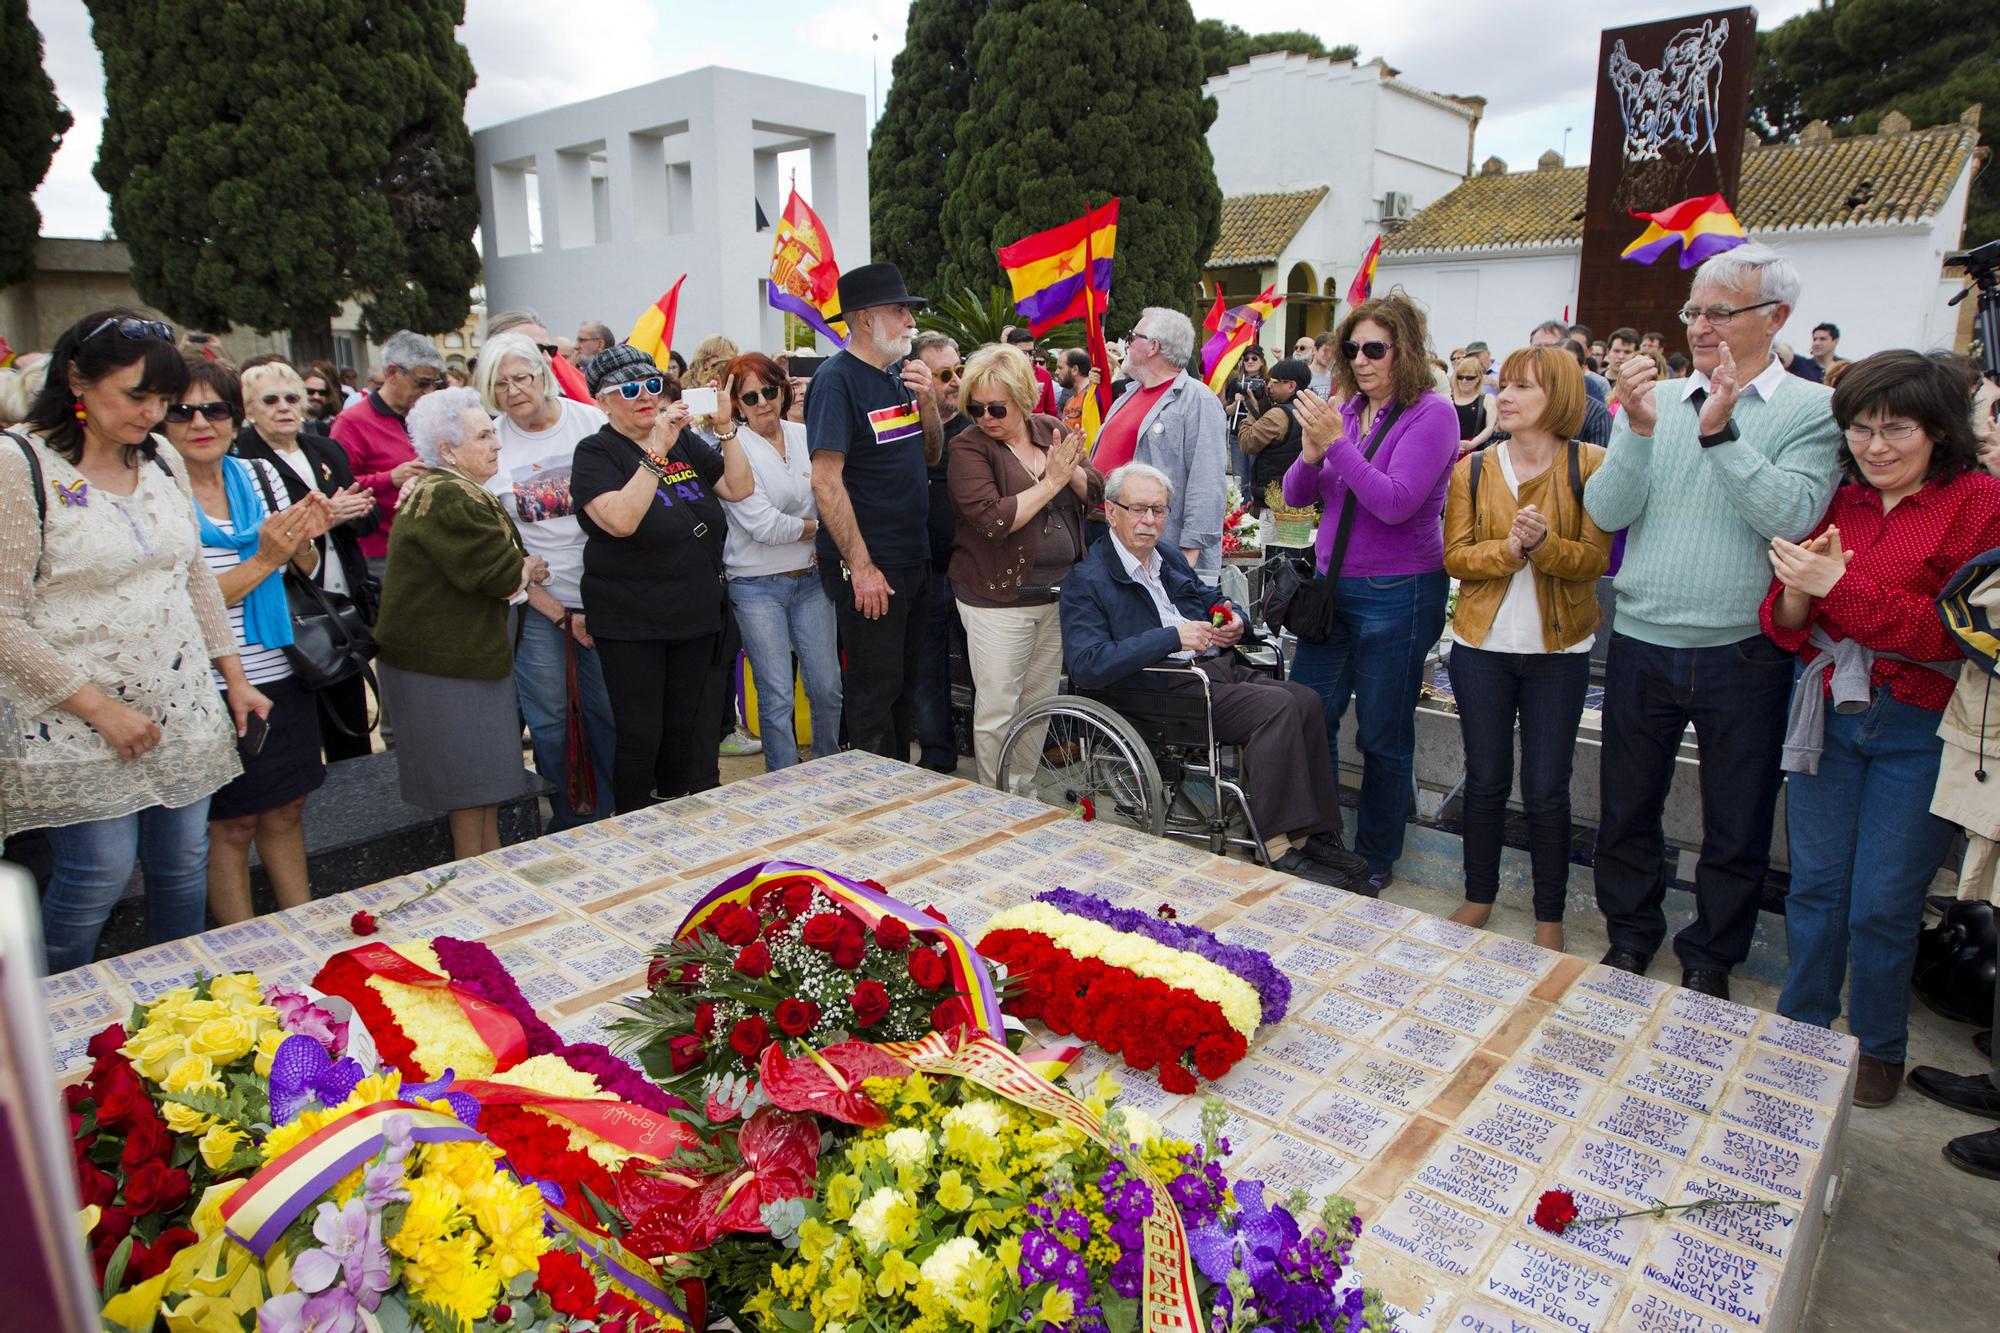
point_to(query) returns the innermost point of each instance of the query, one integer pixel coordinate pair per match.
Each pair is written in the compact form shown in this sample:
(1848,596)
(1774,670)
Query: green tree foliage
(1072,104)
(35,124)
(266,162)
(1851,62)
(930,83)
(1224,44)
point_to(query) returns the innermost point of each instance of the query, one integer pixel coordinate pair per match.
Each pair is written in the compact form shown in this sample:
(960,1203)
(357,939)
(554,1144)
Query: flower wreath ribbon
(1168,1301)
(498,1030)
(622,1124)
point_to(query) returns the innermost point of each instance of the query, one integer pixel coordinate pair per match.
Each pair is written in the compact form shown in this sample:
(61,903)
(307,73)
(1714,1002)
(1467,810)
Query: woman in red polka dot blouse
(1854,601)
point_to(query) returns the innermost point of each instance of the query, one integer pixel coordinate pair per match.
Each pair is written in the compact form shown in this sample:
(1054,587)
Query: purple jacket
(1398,527)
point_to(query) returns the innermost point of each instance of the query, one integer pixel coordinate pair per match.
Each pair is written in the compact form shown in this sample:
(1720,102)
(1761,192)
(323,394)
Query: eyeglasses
(1374,349)
(978,410)
(523,383)
(424,383)
(949,375)
(1718,314)
(651,387)
(1143,511)
(132,328)
(768,394)
(182,413)
(317,393)
(273,399)
(1896,432)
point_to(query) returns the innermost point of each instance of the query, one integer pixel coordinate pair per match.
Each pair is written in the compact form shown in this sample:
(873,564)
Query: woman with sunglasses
(1378,465)
(1472,403)
(109,620)
(275,430)
(648,491)
(774,584)
(1021,491)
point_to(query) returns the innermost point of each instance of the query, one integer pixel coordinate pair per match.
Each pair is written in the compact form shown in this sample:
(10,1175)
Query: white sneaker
(739,743)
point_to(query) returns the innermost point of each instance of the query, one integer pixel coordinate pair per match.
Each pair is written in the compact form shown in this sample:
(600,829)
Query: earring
(81,415)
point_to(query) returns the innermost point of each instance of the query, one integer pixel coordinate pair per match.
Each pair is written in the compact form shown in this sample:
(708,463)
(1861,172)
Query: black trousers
(1281,725)
(666,703)
(882,660)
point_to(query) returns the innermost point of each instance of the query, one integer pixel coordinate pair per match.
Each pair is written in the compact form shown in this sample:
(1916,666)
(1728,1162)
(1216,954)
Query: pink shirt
(376,444)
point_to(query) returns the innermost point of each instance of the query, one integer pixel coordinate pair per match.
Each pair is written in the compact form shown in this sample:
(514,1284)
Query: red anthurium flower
(829,1082)
(675,1214)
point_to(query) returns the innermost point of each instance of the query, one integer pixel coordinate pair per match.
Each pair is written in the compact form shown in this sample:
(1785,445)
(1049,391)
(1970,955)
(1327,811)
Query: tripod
(1983,267)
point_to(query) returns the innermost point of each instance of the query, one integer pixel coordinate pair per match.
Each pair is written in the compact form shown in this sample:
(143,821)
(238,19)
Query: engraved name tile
(1458,1011)
(1446,934)
(1551,1287)
(1711,1276)
(1241,1132)
(1286,1162)
(1318,1053)
(1279,914)
(1619,1168)
(1567,1047)
(1416,956)
(1605,1018)
(1518,954)
(1440,1235)
(1777,1117)
(1546,1088)
(1775,1168)
(1511,1128)
(1345,933)
(1339,1012)
(1476,1178)
(1808,1080)
(1618,1244)
(1668,1129)
(1316,961)
(1836,1048)
(1672,1081)
(1372,981)
(1427,1044)
(1263,1089)
(1651,1312)
(1696,1046)
(1477,1316)
(1396,1083)
(1494,982)
(1691,1006)
(1380,913)
(1767,1230)
(1356,1127)
(1621,985)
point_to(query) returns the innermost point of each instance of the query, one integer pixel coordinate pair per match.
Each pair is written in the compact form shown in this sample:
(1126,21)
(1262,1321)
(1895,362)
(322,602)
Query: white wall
(1492,298)
(684,159)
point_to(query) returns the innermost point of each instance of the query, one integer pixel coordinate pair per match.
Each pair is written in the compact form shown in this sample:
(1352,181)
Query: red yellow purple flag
(1364,277)
(1052,270)
(804,276)
(1701,227)
(1237,329)
(653,333)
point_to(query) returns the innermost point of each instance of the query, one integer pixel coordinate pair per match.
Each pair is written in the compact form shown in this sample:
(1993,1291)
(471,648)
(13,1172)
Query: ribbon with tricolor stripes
(619,1123)
(498,1030)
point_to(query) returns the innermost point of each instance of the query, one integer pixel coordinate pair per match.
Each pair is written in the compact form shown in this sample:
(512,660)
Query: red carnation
(736,924)
(848,952)
(568,1285)
(755,960)
(107,1042)
(823,931)
(685,1052)
(749,1038)
(1211,1058)
(797,898)
(870,1002)
(704,1019)
(1174,1077)
(156,1187)
(362,923)
(926,969)
(1555,1210)
(951,1015)
(796,1017)
(892,934)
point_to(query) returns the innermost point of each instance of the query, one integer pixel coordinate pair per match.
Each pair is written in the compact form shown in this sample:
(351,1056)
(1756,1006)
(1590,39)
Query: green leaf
(208,1103)
(114,1268)
(392,1219)
(184,1150)
(1121,1313)
(608,1216)
(522,1284)
(393,1315)
(434,1318)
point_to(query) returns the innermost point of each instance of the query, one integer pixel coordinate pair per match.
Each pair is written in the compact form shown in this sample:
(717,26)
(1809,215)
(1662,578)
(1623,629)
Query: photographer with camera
(1273,441)
(1244,400)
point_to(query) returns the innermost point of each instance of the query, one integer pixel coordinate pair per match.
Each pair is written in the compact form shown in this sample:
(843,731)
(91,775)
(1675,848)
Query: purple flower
(351,1247)
(382,1183)
(1251,1240)
(1273,987)
(302,1073)
(299,1015)
(334,1311)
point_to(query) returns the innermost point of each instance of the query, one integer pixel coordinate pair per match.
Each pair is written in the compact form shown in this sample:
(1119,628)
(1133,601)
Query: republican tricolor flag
(1701,227)
(1051,271)
(804,278)
(1234,331)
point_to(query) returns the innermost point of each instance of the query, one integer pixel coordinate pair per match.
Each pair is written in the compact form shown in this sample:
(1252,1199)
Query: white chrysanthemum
(907,1147)
(949,1264)
(876,1218)
(981,1116)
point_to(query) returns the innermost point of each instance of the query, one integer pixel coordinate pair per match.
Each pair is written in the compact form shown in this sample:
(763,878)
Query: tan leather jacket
(1567,564)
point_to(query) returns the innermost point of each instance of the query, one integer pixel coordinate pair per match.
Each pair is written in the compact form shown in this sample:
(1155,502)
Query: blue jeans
(780,615)
(1382,632)
(1864,847)
(94,864)
(937,737)
(541,680)
(1545,690)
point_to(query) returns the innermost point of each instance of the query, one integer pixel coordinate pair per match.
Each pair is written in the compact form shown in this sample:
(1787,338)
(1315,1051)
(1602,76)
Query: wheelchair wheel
(1066,748)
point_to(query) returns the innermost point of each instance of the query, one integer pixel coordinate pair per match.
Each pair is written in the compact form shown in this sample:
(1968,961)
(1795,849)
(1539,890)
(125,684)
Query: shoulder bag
(330,640)
(1296,597)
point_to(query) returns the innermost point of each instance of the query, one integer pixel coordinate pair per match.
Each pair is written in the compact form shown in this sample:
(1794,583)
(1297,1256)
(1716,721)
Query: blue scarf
(267,613)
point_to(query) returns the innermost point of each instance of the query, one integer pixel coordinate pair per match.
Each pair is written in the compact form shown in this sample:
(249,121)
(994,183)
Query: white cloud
(847,29)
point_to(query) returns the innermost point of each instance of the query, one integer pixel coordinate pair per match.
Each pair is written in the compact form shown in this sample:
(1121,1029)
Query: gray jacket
(1187,437)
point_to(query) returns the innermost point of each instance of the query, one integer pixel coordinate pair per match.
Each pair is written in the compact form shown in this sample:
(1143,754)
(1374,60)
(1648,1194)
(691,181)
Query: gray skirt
(458,742)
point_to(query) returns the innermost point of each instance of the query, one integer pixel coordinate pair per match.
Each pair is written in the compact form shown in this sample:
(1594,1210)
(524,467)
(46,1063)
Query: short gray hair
(1172,330)
(486,374)
(1120,478)
(437,420)
(1773,274)
(512,319)
(930,338)
(597,329)
(406,351)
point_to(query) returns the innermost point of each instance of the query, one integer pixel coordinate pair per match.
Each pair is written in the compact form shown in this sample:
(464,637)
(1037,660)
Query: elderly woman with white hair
(539,429)
(456,565)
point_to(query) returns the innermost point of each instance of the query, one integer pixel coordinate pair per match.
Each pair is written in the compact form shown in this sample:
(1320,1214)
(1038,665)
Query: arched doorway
(1305,316)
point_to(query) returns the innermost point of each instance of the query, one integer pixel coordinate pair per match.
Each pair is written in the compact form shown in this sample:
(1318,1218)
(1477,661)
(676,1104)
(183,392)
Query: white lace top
(124,601)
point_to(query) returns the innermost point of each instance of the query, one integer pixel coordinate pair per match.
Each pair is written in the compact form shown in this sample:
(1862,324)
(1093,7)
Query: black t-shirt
(944,519)
(869,415)
(663,581)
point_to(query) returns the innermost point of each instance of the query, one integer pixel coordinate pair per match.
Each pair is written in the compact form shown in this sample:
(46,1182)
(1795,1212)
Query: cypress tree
(267,162)
(929,85)
(1223,44)
(36,123)
(1070,105)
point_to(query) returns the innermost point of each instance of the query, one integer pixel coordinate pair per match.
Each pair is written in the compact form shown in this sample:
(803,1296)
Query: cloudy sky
(1531,61)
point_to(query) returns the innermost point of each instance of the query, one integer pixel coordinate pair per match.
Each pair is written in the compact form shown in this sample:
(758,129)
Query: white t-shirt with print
(533,482)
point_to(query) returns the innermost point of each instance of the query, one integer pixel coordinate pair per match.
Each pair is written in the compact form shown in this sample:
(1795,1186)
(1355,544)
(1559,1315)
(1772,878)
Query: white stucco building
(1370,147)
(1867,220)
(591,210)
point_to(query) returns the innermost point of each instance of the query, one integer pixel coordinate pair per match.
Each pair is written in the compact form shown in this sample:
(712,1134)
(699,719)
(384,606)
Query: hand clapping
(1319,424)
(1063,459)
(1636,383)
(1810,569)
(1722,392)
(1530,530)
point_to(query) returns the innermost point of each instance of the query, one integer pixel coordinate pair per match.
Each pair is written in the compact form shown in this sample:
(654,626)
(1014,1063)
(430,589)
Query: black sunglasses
(133,328)
(1374,349)
(273,399)
(751,397)
(182,413)
(978,410)
(549,349)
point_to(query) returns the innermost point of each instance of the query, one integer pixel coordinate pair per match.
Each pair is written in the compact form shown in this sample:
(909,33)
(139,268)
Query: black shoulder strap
(1338,556)
(263,479)
(41,496)
(1576,471)
(1478,461)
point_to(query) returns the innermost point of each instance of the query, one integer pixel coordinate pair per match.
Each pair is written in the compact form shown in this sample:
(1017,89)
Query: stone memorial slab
(1551,1287)
(1345,933)
(1444,933)
(1710,1276)
(1510,1128)
(1666,1129)
(1546,1088)
(1650,1312)
(1372,981)
(1415,956)
(1807,1080)
(1437,1234)
(1318,1053)
(1776,1117)
(1286,1162)
(1616,1167)
(1604,1018)
(1615,984)
(1357,1128)
(1494,982)
(1263,1089)
(1824,1044)
(1313,961)
(1697,1046)
(1566,1047)
(1690,1006)
(1476,1179)
(1427,1044)
(1615,1244)
(1395,1083)
(1380,913)
(1518,954)
(1458,1011)
(1782,1172)
(1476,1316)
(1350,1017)
(1241,1132)
(1671,1081)
(1767,1230)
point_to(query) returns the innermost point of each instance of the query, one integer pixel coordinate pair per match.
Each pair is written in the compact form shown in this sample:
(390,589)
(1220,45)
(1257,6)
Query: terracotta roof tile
(1257,227)
(1872,179)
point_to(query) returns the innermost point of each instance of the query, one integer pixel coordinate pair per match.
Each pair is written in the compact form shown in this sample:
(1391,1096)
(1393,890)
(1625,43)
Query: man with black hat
(872,425)
(1273,440)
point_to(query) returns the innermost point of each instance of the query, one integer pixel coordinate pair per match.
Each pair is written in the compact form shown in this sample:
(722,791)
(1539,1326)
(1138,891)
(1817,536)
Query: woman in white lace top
(112,735)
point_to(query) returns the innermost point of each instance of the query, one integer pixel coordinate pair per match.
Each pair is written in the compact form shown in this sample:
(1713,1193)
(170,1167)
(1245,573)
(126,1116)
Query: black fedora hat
(874,284)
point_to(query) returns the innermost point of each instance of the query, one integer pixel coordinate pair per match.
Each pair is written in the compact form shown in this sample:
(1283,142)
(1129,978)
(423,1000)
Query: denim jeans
(1545,690)
(780,615)
(94,864)
(1864,847)
(1736,696)
(541,680)
(937,736)
(1384,629)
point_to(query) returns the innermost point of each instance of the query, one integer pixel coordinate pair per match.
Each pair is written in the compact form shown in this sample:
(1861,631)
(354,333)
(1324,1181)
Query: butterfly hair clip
(73,494)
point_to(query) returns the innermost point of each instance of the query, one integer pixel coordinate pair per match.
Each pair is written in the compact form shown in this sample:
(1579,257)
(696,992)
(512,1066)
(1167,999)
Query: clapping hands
(1810,569)
(1319,424)
(1529,531)
(1063,459)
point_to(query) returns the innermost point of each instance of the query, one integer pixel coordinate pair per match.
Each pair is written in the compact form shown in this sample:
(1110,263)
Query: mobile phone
(255,732)
(804,367)
(700,402)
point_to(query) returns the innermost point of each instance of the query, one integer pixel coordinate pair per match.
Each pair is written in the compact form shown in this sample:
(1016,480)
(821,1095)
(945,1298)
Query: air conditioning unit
(1396,206)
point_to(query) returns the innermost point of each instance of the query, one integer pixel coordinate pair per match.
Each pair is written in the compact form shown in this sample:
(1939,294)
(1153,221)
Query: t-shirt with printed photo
(533,481)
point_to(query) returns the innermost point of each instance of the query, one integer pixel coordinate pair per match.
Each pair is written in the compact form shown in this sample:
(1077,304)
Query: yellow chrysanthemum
(886,1217)
(510,1216)
(453,1275)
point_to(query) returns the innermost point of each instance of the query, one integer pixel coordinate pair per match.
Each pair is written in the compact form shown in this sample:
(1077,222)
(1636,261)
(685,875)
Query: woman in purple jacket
(1379,464)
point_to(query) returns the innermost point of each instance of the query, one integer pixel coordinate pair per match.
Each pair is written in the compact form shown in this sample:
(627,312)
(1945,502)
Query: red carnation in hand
(685,1052)
(796,1017)
(736,924)
(1555,1210)
(848,953)
(754,961)
(870,1002)
(1174,1077)
(822,932)
(362,923)
(892,934)
(926,969)
(749,1037)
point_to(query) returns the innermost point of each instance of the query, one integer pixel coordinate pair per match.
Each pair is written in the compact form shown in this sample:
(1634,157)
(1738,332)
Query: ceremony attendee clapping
(373,433)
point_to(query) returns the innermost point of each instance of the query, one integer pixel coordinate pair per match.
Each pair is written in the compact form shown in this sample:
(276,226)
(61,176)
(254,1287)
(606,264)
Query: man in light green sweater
(1703,473)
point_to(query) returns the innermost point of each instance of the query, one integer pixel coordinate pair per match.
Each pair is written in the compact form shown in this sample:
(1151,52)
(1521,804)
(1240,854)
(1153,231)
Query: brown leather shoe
(1876,1082)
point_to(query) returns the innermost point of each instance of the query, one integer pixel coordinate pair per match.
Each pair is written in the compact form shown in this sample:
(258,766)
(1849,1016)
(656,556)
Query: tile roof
(1257,227)
(1865,180)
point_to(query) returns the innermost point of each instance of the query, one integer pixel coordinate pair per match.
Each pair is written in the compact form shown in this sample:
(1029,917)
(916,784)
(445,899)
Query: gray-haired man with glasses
(1704,473)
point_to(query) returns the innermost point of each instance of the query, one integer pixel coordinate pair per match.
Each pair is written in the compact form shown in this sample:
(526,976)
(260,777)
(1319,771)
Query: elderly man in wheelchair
(1135,617)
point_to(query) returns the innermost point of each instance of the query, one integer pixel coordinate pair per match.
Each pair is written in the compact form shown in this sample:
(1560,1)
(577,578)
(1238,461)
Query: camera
(1982,266)
(1255,384)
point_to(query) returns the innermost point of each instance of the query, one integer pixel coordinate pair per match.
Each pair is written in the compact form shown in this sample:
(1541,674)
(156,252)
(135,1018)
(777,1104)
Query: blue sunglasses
(651,387)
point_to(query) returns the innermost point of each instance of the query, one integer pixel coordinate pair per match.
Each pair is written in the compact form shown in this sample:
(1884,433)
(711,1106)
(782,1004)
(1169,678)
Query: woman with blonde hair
(1021,490)
(1472,403)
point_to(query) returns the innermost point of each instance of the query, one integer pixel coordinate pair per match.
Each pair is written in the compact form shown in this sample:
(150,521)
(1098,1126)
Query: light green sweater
(1701,520)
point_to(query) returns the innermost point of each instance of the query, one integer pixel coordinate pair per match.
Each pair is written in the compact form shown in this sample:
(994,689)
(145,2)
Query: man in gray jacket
(1169,420)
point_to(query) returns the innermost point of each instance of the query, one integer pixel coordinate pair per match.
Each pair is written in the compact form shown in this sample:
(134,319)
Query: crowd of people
(591,565)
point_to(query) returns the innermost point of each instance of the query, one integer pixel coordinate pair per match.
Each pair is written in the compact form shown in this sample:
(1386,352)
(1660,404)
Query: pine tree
(1224,44)
(930,83)
(1070,105)
(36,123)
(267,162)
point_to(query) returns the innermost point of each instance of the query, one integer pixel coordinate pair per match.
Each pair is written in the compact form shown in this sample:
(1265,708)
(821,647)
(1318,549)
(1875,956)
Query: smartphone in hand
(700,402)
(256,731)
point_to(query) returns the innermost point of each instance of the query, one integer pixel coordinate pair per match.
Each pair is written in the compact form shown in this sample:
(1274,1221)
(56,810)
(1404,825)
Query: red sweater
(1885,600)
(376,443)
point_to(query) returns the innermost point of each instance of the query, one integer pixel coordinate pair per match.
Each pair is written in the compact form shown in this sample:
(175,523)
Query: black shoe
(1627,960)
(1982,1041)
(1707,980)
(1326,849)
(1296,862)
(1368,885)
(1977,1153)
(1975,1094)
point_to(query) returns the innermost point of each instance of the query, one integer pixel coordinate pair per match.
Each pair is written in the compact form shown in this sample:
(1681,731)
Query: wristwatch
(1723,436)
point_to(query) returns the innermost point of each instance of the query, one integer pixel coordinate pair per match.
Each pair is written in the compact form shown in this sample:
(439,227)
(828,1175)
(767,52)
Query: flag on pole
(1239,328)
(804,276)
(653,334)
(1364,277)
(1214,321)
(1701,227)
(1052,270)
(1098,401)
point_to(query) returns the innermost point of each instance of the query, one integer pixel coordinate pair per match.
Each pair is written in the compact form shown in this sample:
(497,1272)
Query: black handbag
(1296,597)
(330,641)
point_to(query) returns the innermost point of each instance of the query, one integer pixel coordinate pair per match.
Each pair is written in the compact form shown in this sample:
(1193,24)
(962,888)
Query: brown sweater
(989,557)
(1567,564)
